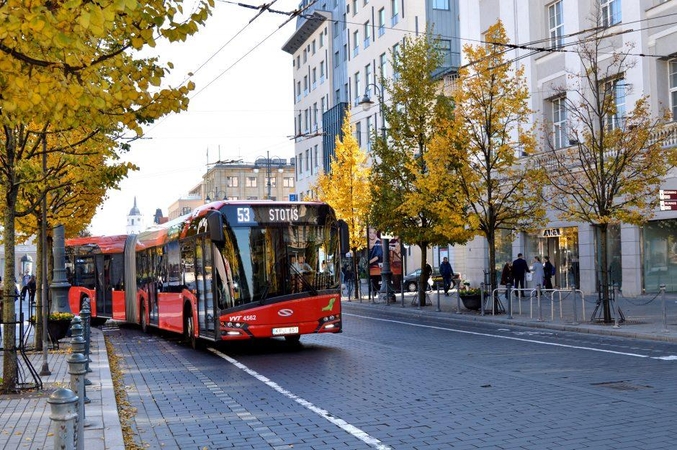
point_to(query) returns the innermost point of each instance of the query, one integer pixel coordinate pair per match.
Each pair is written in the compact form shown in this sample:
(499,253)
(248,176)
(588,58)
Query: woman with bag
(539,274)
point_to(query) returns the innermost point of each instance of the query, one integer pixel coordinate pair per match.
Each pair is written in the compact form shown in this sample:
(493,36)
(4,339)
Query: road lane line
(512,338)
(351,429)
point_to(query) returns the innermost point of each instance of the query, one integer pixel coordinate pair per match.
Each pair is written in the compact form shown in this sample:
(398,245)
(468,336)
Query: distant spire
(134,211)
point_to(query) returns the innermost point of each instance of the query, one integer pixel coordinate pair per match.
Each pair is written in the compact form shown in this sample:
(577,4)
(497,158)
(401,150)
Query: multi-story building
(340,50)
(642,258)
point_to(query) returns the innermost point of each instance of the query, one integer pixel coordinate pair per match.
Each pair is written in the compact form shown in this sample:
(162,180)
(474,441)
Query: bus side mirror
(215,224)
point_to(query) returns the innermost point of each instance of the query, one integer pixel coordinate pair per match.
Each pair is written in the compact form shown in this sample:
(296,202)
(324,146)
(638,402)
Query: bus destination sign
(259,214)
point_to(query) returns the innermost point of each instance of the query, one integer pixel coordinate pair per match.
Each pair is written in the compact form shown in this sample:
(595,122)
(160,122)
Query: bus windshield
(276,260)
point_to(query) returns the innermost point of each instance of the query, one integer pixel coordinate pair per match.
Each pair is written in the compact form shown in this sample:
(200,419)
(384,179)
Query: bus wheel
(144,321)
(189,331)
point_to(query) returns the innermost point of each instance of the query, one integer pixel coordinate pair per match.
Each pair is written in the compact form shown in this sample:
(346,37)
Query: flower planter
(473,301)
(57,329)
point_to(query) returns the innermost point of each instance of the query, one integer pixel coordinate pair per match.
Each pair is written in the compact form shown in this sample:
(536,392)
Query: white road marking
(353,430)
(512,338)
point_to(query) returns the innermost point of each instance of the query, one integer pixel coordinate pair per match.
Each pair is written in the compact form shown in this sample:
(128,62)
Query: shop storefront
(659,258)
(561,245)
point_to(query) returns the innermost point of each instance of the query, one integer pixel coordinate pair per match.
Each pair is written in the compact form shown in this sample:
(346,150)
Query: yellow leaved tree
(482,144)
(75,68)
(346,189)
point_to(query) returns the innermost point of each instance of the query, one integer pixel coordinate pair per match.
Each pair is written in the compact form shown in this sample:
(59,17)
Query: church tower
(134,220)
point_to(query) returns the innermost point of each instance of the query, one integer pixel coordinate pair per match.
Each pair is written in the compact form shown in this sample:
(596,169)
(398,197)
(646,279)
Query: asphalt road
(404,384)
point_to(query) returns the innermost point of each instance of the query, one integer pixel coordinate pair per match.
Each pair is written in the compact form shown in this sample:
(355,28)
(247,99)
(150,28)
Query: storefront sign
(667,194)
(668,205)
(551,232)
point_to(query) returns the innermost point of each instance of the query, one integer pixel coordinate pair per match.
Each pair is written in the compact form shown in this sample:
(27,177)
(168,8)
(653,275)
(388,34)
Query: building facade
(642,258)
(340,50)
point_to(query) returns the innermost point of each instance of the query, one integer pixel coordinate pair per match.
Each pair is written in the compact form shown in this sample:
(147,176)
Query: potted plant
(471,297)
(58,324)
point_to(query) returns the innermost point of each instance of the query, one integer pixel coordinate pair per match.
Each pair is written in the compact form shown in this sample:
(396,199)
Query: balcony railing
(668,135)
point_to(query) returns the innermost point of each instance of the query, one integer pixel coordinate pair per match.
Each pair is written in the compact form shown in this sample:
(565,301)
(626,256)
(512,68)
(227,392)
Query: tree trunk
(9,366)
(39,326)
(491,241)
(423,280)
(356,276)
(604,263)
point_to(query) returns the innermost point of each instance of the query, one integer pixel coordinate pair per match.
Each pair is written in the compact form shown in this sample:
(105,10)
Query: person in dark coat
(506,274)
(519,269)
(31,289)
(447,273)
(548,272)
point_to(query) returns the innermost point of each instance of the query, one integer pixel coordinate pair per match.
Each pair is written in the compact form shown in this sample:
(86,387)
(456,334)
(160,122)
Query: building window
(358,88)
(396,54)
(313,46)
(337,58)
(356,43)
(382,64)
(358,133)
(555,20)
(672,68)
(616,88)
(354,7)
(367,34)
(559,126)
(322,39)
(441,4)
(321,72)
(314,77)
(444,46)
(370,126)
(250,182)
(232,181)
(381,21)
(611,12)
(305,55)
(395,8)
(288,182)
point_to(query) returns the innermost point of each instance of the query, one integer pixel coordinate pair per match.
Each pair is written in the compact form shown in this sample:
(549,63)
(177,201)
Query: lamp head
(366,102)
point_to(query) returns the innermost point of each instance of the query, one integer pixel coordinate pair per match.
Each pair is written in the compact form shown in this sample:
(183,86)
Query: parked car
(411,280)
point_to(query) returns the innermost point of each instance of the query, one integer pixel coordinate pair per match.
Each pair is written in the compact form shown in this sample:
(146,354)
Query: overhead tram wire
(262,8)
(292,15)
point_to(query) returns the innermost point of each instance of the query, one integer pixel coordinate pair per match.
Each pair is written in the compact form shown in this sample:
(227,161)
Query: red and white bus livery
(229,270)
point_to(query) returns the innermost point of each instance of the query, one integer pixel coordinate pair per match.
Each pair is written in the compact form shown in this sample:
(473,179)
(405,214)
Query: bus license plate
(285,330)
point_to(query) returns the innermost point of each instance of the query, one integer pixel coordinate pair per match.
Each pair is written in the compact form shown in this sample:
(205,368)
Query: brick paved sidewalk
(24,417)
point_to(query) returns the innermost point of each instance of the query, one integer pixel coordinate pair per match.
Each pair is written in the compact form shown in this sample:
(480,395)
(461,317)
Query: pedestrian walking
(348,280)
(506,274)
(539,274)
(31,289)
(548,272)
(447,273)
(519,270)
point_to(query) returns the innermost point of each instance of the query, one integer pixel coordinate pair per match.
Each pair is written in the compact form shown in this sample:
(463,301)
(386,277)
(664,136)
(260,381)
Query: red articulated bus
(95,270)
(230,270)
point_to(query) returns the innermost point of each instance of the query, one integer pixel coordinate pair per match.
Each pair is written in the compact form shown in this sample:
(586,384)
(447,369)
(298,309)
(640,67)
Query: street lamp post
(268,171)
(217,195)
(386,274)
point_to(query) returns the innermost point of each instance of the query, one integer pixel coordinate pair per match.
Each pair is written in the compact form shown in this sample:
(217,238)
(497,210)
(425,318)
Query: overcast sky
(239,109)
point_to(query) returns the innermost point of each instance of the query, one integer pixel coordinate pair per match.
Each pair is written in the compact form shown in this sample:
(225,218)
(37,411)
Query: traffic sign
(667,194)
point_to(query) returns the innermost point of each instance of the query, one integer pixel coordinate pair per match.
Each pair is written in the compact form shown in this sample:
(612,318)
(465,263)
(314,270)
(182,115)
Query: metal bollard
(482,298)
(665,311)
(508,289)
(78,346)
(437,285)
(76,368)
(538,297)
(573,296)
(86,316)
(615,306)
(64,417)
